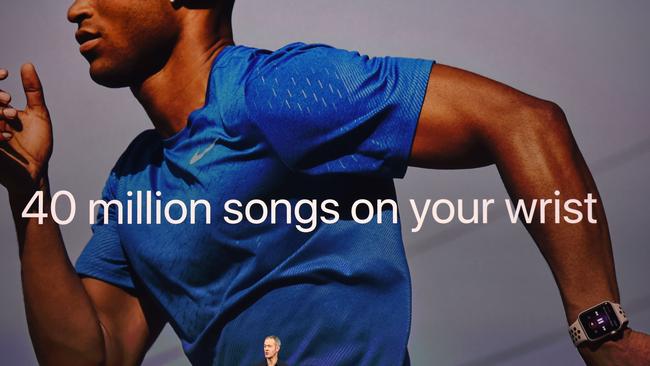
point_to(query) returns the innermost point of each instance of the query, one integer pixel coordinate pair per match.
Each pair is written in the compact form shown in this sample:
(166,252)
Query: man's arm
(470,121)
(71,322)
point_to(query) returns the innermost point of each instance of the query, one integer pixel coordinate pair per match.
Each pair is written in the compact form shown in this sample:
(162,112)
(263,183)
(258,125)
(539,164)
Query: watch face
(599,321)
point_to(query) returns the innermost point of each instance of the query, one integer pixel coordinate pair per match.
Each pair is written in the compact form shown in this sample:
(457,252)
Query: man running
(303,122)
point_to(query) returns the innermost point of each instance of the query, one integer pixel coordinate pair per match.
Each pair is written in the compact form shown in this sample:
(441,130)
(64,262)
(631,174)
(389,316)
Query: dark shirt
(279,363)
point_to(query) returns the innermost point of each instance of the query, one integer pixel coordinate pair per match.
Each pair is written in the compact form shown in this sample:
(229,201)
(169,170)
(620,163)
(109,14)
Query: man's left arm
(470,121)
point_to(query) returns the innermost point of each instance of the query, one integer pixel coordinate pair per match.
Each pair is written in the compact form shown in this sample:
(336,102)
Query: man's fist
(25,135)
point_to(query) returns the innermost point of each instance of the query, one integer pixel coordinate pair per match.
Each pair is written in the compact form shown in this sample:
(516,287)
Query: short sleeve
(103,257)
(326,110)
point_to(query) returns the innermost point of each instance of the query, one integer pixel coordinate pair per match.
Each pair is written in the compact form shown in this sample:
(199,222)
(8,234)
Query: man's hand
(25,136)
(632,349)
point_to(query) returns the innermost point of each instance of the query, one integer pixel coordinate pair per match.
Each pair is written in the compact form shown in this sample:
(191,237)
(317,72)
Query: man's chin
(106,76)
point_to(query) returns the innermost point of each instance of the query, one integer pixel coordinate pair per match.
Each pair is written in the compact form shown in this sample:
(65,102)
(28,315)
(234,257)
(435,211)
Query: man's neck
(272,361)
(179,87)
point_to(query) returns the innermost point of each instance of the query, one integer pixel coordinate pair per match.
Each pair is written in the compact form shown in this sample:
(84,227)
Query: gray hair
(275,338)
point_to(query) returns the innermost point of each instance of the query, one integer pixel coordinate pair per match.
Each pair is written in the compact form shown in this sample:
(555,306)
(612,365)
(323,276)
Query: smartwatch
(597,323)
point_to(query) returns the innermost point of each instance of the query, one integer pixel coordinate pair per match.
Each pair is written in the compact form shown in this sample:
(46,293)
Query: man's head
(271,346)
(126,41)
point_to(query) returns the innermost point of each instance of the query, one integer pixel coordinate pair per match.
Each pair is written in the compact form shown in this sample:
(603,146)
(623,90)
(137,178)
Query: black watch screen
(599,321)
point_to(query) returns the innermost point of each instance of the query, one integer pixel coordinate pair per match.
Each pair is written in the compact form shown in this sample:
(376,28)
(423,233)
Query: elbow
(96,359)
(71,350)
(542,120)
(552,116)
(531,122)
(68,357)
(534,130)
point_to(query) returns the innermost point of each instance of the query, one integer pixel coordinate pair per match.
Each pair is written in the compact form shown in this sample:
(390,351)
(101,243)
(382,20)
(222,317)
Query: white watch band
(578,334)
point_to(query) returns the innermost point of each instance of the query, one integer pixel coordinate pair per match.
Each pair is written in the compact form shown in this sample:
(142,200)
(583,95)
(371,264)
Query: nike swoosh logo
(200,154)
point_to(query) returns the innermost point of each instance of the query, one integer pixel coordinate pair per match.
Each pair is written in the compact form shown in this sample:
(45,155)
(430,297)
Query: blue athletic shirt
(303,122)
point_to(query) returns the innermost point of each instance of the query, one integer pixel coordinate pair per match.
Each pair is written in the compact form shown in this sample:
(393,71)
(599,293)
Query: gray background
(482,294)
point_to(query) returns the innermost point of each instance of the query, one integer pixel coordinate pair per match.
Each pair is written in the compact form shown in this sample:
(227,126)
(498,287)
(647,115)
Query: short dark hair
(275,338)
(227,6)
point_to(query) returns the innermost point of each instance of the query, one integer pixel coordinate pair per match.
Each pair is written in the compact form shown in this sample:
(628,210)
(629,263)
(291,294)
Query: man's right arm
(71,321)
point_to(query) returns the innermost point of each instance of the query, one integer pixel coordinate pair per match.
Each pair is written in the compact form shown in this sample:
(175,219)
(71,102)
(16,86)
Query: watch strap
(577,333)
(622,317)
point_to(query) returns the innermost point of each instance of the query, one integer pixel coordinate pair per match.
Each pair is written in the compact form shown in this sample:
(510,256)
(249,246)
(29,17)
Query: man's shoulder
(296,54)
(295,81)
(145,149)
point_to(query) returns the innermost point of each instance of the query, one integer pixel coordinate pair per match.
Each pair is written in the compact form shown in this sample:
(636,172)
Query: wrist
(586,300)
(20,196)
(612,345)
